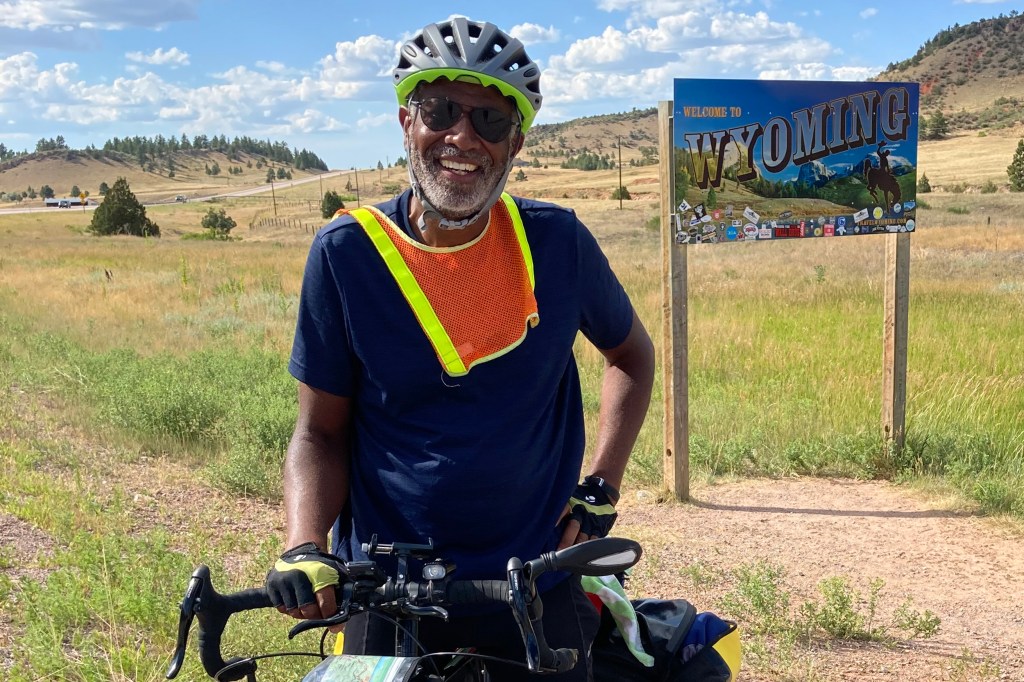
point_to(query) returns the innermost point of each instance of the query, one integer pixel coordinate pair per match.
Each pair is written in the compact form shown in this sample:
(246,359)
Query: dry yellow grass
(969,159)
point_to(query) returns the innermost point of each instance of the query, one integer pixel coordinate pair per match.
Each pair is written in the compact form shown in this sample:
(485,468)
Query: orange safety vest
(474,302)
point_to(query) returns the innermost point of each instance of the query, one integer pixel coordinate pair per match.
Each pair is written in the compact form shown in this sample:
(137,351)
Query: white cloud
(531,34)
(371,121)
(818,71)
(173,56)
(751,28)
(274,67)
(367,57)
(311,120)
(33,15)
(610,47)
(668,39)
(868,12)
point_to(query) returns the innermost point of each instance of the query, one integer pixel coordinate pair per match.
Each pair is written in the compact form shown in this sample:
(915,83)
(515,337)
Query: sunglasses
(440,114)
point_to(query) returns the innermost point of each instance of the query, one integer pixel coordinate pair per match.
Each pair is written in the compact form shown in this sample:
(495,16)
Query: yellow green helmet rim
(460,48)
(405,89)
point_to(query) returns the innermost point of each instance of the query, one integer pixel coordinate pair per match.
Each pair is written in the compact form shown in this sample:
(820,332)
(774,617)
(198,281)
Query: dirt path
(963,568)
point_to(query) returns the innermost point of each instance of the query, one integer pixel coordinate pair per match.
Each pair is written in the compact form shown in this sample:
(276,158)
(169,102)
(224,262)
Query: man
(438,394)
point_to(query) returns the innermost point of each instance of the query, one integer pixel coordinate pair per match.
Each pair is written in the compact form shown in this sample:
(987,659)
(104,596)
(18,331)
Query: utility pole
(321,185)
(356,171)
(618,141)
(273,196)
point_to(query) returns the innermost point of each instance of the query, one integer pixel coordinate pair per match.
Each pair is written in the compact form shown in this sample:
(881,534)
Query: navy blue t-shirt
(482,464)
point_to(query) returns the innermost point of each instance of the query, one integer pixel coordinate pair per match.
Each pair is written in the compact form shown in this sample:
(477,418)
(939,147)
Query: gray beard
(454,202)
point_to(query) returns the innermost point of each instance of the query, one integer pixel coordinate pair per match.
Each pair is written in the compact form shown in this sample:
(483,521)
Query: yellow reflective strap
(728,647)
(410,288)
(517,225)
(339,644)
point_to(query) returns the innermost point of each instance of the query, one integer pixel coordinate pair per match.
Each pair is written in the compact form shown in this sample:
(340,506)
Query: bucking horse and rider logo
(882,180)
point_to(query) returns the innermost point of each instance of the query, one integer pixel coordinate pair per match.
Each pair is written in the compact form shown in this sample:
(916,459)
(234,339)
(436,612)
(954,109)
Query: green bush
(121,213)
(330,204)
(218,223)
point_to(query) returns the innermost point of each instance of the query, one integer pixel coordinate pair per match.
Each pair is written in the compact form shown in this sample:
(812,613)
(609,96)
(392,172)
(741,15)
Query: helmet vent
(458,46)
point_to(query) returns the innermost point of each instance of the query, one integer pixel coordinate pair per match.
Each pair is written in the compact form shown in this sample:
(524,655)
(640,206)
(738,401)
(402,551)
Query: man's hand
(302,582)
(590,514)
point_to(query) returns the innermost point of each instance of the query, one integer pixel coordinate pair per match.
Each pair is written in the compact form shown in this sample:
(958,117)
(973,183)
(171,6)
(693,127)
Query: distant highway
(259,189)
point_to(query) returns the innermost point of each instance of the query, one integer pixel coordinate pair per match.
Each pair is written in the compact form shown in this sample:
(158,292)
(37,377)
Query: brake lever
(426,611)
(340,617)
(520,599)
(190,604)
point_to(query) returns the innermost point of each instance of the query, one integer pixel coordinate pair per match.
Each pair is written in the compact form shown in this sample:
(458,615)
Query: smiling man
(438,393)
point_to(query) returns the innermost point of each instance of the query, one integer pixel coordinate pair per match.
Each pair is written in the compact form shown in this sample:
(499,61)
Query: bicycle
(366,588)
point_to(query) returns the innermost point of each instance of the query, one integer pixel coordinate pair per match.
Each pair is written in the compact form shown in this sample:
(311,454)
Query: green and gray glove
(300,573)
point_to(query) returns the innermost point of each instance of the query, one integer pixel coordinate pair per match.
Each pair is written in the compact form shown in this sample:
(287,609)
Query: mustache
(443,149)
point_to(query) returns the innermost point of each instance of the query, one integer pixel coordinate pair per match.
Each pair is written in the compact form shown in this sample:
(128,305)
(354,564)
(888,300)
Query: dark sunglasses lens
(491,124)
(441,113)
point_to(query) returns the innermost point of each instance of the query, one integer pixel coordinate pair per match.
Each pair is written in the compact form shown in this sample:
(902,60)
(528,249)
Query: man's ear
(517,142)
(403,117)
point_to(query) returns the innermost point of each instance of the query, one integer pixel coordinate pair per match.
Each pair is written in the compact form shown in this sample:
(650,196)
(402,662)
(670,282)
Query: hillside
(974,74)
(64,168)
(635,133)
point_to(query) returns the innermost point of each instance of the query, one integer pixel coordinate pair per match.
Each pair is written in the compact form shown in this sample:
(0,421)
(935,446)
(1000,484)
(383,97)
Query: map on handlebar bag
(349,668)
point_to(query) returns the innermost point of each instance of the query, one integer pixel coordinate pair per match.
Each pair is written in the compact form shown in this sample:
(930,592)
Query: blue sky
(316,74)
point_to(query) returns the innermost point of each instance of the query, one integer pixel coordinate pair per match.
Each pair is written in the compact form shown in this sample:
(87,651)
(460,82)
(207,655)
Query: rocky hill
(973,74)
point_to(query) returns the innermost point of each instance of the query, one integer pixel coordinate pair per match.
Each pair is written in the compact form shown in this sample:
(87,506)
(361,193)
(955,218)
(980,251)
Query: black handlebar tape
(464,592)
(214,616)
(556,660)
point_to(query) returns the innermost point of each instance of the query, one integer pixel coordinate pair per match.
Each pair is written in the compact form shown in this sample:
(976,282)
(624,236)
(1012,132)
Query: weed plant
(777,634)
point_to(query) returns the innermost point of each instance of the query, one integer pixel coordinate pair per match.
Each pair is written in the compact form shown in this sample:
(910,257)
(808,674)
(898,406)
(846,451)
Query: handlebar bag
(685,646)
(350,668)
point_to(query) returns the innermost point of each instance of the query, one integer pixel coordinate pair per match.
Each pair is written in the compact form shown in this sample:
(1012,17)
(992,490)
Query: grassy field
(178,356)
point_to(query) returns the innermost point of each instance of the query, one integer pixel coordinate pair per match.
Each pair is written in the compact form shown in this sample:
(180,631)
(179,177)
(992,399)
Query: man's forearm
(625,397)
(316,480)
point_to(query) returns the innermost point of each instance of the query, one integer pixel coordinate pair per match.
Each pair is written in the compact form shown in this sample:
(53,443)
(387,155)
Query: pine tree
(121,213)
(1016,169)
(330,204)
(923,186)
(938,127)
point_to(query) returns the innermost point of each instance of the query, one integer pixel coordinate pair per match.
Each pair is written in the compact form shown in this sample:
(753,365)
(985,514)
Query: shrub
(121,213)
(330,204)
(218,223)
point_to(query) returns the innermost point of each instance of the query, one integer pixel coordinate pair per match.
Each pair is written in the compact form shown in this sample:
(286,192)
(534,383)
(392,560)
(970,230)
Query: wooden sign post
(675,366)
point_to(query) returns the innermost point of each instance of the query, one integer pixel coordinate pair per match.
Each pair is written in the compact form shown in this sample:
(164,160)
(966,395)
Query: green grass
(784,378)
(100,601)
(232,411)
(778,633)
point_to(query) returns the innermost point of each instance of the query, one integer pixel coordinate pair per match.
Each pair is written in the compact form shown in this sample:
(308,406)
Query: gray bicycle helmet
(477,49)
